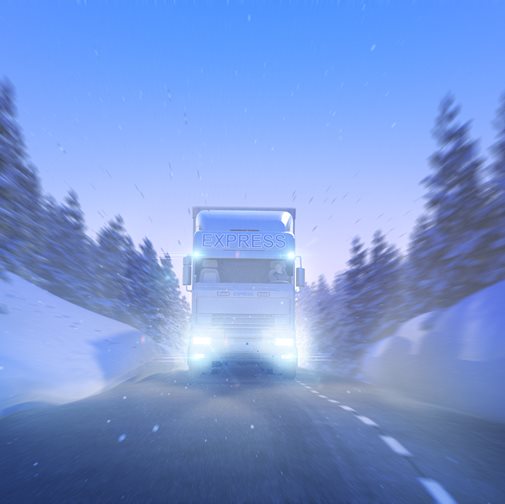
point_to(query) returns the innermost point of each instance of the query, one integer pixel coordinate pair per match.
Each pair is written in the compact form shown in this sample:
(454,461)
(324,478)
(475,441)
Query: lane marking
(396,446)
(437,491)
(439,494)
(367,421)
(347,408)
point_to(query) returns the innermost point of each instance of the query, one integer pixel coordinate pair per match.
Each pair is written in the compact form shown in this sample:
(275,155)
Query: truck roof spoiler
(198,209)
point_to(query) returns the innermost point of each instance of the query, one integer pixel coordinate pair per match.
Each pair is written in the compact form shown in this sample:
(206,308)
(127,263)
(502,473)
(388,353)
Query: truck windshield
(243,271)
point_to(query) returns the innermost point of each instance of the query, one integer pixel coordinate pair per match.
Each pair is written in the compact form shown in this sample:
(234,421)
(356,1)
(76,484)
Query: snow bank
(454,358)
(54,351)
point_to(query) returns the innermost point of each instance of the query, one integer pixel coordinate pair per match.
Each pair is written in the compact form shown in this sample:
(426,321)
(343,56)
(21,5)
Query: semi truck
(243,273)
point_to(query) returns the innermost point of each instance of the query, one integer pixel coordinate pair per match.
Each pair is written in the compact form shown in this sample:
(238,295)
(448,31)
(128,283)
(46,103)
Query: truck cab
(243,275)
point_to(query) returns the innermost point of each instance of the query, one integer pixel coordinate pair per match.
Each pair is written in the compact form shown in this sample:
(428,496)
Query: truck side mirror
(300,277)
(186,270)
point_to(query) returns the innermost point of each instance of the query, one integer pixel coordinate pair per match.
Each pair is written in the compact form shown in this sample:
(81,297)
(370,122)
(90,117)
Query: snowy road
(248,439)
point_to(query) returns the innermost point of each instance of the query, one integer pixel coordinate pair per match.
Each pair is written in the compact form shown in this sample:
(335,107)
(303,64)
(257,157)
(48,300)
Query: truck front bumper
(278,353)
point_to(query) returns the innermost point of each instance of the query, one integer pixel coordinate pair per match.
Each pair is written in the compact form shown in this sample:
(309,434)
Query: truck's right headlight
(284,342)
(201,340)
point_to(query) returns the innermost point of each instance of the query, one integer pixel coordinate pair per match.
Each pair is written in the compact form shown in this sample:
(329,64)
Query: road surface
(248,438)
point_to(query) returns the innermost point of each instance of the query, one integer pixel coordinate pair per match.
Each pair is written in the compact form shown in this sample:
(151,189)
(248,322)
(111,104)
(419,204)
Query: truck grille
(240,320)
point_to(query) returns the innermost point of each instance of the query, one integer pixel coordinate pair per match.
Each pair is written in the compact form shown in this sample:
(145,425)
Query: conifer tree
(177,314)
(150,282)
(423,292)
(114,255)
(19,191)
(356,295)
(457,209)
(496,195)
(384,285)
(498,151)
(78,247)
(322,311)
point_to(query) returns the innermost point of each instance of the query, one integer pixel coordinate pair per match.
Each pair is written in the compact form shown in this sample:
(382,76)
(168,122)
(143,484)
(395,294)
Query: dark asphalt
(248,438)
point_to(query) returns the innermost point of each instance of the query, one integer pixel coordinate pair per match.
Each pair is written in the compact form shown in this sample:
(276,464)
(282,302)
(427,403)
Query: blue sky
(148,108)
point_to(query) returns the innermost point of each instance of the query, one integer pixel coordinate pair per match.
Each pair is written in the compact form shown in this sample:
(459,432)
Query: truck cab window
(243,271)
(278,273)
(209,272)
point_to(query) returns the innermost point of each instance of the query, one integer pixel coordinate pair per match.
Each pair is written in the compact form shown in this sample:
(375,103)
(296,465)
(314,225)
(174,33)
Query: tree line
(46,242)
(456,248)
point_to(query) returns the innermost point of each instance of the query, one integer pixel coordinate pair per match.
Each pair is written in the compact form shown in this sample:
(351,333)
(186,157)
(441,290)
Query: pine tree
(154,301)
(114,256)
(144,300)
(498,150)
(177,315)
(19,191)
(322,315)
(305,342)
(424,283)
(356,293)
(49,269)
(496,195)
(457,209)
(66,249)
(385,296)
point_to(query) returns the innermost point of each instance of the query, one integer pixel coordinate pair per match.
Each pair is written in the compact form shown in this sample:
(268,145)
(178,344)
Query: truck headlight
(201,340)
(197,356)
(284,342)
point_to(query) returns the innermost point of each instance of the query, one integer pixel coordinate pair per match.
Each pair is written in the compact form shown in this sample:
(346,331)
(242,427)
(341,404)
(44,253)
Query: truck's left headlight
(201,340)
(284,342)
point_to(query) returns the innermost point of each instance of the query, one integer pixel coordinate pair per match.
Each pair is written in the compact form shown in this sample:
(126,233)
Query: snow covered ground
(54,351)
(454,358)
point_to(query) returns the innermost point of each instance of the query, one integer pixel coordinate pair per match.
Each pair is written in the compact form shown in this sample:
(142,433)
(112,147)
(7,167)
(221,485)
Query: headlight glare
(284,342)
(198,356)
(288,356)
(201,340)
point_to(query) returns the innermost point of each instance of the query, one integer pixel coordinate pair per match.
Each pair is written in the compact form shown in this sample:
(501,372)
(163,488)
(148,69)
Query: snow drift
(54,351)
(454,357)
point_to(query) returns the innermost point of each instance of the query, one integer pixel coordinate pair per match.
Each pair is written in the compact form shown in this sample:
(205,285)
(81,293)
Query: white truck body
(243,276)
